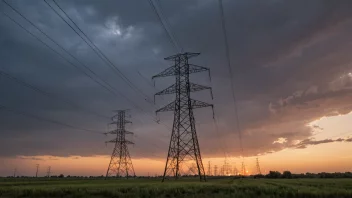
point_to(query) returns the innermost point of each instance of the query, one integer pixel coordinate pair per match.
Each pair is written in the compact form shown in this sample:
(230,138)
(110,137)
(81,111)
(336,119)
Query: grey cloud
(30,158)
(307,142)
(307,42)
(318,127)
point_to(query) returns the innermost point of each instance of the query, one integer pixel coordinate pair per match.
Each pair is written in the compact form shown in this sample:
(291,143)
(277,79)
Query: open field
(225,187)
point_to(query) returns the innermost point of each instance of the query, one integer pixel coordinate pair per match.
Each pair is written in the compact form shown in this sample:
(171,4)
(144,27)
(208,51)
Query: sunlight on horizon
(311,159)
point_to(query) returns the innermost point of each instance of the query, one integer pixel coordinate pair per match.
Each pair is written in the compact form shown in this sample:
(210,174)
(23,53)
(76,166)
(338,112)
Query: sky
(291,67)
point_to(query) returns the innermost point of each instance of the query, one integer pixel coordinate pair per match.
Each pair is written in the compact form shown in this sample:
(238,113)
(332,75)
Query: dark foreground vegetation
(186,187)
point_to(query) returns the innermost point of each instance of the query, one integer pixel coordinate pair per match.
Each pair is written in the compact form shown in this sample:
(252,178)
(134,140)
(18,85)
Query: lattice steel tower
(184,146)
(120,163)
(243,169)
(258,167)
(209,168)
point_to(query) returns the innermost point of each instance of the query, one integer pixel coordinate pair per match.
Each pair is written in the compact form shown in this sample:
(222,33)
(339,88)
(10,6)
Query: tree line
(289,175)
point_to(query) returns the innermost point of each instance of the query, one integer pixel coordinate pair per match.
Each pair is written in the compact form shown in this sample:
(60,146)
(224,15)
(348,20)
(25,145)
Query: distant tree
(61,176)
(311,175)
(258,176)
(287,175)
(273,174)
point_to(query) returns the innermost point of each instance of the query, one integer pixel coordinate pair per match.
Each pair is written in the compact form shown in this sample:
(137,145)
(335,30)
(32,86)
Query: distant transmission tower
(243,169)
(226,168)
(215,170)
(14,172)
(235,171)
(258,168)
(222,172)
(36,173)
(209,169)
(184,146)
(192,170)
(48,172)
(120,163)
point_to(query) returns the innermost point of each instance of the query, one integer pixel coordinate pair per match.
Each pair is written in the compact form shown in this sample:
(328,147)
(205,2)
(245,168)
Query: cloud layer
(291,63)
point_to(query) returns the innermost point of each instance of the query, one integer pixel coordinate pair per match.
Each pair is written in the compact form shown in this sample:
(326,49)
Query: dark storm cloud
(290,59)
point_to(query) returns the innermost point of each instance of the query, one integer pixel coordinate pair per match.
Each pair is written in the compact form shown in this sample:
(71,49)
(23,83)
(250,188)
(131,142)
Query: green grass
(94,188)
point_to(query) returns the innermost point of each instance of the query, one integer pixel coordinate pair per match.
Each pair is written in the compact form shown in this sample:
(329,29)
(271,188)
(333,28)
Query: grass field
(183,188)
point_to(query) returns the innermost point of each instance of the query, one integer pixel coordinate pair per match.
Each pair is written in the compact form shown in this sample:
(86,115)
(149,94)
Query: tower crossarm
(193,88)
(116,131)
(199,104)
(186,54)
(125,121)
(170,90)
(196,68)
(171,71)
(119,141)
(169,107)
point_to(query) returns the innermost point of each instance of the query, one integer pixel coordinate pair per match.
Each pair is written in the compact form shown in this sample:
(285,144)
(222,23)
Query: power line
(68,61)
(72,64)
(97,51)
(219,137)
(161,19)
(230,71)
(46,119)
(102,54)
(47,36)
(52,49)
(56,97)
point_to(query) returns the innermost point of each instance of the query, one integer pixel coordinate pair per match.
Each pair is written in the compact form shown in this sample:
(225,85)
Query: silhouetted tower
(235,171)
(48,172)
(258,168)
(14,172)
(243,169)
(36,173)
(209,168)
(192,170)
(226,168)
(215,170)
(120,163)
(222,172)
(184,146)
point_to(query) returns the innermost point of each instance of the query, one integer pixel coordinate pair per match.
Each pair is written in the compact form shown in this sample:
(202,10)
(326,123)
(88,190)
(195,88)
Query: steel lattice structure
(184,146)
(120,163)
(243,169)
(209,168)
(258,167)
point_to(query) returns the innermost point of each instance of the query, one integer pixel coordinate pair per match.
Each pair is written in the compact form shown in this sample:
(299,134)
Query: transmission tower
(215,170)
(222,172)
(36,173)
(258,168)
(120,163)
(209,168)
(243,169)
(14,172)
(48,172)
(235,171)
(227,168)
(192,170)
(184,146)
